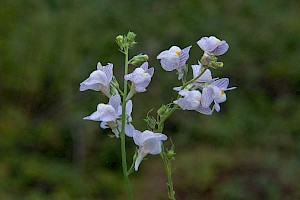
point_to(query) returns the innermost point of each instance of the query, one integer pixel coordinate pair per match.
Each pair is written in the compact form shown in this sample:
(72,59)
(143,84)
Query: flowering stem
(122,135)
(163,154)
(161,122)
(167,164)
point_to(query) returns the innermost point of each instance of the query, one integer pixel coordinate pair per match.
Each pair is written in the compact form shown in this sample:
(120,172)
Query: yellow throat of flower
(178,53)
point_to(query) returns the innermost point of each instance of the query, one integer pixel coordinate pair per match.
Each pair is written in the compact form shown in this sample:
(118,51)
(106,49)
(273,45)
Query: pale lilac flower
(106,112)
(148,142)
(192,101)
(200,82)
(175,59)
(213,45)
(215,92)
(110,113)
(99,80)
(205,77)
(140,78)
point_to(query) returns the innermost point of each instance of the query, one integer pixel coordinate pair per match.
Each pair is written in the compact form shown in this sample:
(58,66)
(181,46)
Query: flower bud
(162,110)
(119,41)
(130,39)
(114,82)
(151,122)
(131,36)
(213,57)
(139,59)
(120,38)
(171,154)
(217,64)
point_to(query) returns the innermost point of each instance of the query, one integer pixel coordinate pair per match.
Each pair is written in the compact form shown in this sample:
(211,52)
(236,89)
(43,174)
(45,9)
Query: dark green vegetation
(250,150)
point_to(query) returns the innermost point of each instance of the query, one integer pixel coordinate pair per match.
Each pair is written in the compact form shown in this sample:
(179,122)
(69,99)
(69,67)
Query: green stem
(122,135)
(161,122)
(163,154)
(167,164)
(191,81)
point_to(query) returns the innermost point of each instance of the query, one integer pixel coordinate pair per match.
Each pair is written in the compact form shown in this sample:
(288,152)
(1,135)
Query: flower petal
(207,96)
(207,44)
(170,64)
(152,145)
(129,128)
(221,48)
(206,111)
(137,137)
(108,70)
(94,82)
(129,108)
(150,71)
(141,155)
(221,83)
(95,116)
(115,102)
(184,56)
(144,66)
(217,107)
(107,113)
(103,125)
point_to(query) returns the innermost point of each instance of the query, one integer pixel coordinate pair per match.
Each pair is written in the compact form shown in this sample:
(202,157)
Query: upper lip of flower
(213,45)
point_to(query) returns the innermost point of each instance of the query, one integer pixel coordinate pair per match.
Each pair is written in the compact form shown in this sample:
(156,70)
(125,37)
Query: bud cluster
(126,40)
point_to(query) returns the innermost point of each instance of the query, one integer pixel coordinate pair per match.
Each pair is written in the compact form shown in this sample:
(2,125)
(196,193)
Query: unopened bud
(131,36)
(217,64)
(130,39)
(162,110)
(120,38)
(139,59)
(171,154)
(119,41)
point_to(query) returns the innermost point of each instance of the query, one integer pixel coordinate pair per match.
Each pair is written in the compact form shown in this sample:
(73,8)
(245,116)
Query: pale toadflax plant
(202,94)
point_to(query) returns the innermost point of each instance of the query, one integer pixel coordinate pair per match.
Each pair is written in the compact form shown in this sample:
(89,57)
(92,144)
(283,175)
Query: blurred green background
(250,150)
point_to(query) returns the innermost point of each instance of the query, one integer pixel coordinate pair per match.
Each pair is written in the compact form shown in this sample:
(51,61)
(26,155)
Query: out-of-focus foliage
(250,150)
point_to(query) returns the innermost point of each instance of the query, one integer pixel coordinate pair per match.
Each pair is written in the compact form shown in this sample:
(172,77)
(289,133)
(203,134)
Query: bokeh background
(250,150)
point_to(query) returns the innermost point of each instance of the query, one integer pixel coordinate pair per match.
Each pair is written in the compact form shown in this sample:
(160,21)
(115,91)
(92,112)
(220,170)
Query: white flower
(109,115)
(213,45)
(148,142)
(99,80)
(215,92)
(192,101)
(174,59)
(140,78)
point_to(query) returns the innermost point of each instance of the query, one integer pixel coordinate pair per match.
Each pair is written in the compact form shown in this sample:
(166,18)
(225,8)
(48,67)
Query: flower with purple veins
(140,77)
(99,80)
(192,101)
(215,92)
(213,45)
(200,82)
(175,59)
(149,143)
(109,114)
